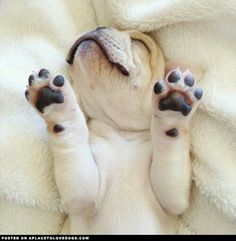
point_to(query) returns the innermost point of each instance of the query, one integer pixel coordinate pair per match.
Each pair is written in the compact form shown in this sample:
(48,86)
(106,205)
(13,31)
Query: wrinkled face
(114,73)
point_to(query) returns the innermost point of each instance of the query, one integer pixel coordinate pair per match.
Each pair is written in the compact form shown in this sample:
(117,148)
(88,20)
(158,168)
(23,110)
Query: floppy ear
(157,62)
(173,64)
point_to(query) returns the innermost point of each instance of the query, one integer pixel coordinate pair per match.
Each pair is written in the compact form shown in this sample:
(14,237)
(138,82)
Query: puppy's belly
(126,203)
(124,212)
(131,213)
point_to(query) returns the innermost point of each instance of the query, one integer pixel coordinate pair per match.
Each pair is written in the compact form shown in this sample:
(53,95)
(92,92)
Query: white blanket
(36,34)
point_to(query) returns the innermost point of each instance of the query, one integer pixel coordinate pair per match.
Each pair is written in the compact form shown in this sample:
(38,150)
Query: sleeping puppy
(122,163)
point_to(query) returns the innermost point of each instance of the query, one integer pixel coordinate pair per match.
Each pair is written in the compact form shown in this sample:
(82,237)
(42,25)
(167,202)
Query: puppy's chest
(122,160)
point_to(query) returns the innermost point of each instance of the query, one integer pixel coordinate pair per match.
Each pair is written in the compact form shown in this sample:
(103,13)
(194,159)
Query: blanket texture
(36,34)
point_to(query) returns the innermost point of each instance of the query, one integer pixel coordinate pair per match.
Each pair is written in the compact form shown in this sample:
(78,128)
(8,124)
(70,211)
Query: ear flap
(157,60)
(173,64)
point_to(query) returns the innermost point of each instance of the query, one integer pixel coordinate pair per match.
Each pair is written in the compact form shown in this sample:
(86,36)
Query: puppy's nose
(100,28)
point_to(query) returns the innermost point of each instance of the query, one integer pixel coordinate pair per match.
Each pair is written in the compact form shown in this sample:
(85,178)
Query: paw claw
(44,73)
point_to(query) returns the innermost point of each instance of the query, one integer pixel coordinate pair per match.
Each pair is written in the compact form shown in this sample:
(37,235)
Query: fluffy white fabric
(36,34)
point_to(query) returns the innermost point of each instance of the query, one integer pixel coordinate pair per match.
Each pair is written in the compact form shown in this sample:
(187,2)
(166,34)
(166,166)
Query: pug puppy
(122,159)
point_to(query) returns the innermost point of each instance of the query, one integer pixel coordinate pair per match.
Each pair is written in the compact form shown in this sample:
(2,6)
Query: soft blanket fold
(36,34)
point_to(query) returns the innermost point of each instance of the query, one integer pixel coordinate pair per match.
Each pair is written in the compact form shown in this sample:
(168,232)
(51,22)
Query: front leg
(175,99)
(75,170)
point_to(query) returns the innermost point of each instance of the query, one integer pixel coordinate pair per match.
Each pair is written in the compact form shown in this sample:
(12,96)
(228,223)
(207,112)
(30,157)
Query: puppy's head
(114,73)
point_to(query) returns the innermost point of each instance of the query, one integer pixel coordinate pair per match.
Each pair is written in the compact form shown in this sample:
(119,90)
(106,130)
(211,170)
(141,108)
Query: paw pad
(46,97)
(177,92)
(58,128)
(174,77)
(44,73)
(198,93)
(172,132)
(59,81)
(42,91)
(158,88)
(175,102)
(189,80)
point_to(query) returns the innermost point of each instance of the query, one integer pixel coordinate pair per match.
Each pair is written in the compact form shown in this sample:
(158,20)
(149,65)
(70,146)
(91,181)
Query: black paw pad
(198,93)
(43,73)
(59,81)
(174,77)
(172,132)
(58,128)
(158,88)
(31,79)
(47,97)
(189,80)
(175,102)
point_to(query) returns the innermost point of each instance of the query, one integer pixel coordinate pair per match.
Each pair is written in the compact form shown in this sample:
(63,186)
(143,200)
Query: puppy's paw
(52,96)
(176,95)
